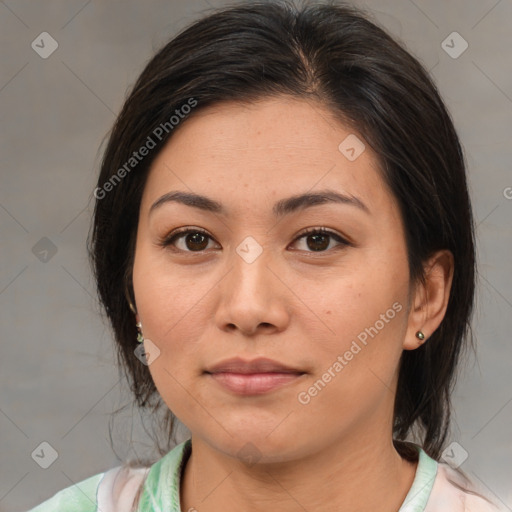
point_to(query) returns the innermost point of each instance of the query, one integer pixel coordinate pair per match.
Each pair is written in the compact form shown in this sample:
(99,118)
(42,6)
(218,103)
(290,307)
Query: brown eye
(319,239)
(196,241)
(319,242)
(192,240)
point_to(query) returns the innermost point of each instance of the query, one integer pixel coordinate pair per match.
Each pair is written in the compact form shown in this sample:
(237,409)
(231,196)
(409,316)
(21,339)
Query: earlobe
(430,299)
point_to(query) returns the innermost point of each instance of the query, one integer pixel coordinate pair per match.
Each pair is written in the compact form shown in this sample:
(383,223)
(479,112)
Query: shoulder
(124,488)
(112,491)
(120,487)
(80,497)
(454,491)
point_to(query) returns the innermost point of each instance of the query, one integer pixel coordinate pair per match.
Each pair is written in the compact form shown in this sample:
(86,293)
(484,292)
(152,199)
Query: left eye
(318,240)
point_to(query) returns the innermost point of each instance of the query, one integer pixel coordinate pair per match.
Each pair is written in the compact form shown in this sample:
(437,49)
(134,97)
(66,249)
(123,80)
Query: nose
(252,297)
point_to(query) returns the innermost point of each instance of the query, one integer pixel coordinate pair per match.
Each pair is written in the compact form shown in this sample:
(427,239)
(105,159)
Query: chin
(254,445)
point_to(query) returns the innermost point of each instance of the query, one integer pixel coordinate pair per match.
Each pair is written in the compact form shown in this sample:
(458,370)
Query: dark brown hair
(335,54)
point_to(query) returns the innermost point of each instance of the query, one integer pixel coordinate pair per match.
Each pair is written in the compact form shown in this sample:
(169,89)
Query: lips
(254,377)
(256,366)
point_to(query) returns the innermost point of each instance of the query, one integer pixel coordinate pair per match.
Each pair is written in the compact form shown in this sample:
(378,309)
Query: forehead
(271,148)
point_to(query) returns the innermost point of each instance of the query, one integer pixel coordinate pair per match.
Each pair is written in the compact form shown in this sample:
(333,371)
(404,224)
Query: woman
(283,243)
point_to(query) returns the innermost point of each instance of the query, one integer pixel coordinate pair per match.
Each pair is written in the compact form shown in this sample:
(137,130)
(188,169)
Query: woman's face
(247,283)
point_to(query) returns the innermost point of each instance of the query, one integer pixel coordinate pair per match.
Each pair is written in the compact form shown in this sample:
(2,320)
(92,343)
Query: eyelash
(172,237)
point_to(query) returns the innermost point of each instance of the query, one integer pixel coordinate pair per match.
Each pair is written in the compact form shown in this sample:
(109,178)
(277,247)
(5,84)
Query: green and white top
(436,488)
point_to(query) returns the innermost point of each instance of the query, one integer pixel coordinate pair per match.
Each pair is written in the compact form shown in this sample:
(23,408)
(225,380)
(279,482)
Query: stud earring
(420,335)
(140,336)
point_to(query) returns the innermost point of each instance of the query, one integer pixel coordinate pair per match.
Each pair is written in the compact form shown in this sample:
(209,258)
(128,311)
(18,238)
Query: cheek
(356,360)
(345,306)
(165,293)
(173,307)
(360,335)
(173,316)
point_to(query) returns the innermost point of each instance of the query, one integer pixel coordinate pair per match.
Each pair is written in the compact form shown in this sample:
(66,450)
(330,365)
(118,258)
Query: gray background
(58,380)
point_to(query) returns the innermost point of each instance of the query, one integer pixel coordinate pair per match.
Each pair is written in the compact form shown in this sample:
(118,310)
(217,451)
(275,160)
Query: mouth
(254,377)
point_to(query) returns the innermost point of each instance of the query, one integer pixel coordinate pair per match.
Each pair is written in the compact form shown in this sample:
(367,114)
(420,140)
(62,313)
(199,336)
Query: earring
(140,336)
(420,335)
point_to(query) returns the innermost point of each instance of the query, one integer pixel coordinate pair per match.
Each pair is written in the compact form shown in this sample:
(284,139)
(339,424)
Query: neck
(364,474)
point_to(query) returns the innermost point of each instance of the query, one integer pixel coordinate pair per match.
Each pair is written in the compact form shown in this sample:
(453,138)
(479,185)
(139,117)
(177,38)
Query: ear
(430,299)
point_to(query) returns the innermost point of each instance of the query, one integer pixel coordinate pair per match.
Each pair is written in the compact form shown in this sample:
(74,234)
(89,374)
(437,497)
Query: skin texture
(301,307)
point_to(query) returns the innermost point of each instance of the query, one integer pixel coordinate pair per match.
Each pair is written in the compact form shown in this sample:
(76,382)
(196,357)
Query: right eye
(193,240)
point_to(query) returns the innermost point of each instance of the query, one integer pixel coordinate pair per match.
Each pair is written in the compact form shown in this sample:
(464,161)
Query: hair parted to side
(334,54)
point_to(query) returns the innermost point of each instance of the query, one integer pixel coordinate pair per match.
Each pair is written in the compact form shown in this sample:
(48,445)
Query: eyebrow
(281,208)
